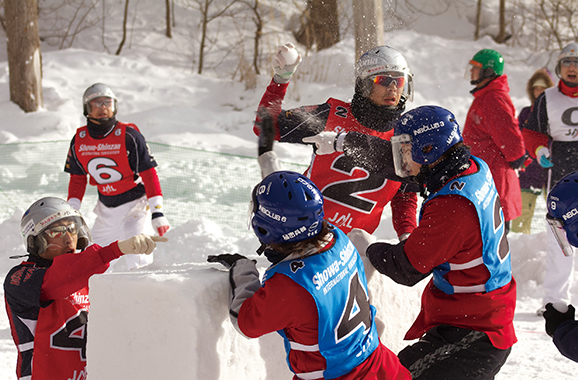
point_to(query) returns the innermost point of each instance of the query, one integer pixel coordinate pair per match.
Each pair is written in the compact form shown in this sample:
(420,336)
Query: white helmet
(569,51)
(43,213)
(97,90)
(381,60)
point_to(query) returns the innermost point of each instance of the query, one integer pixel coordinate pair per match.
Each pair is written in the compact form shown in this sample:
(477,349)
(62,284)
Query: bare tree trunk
(325,22)
(368,20)
(258,20)
(501,38)
(320,24)
(124,21)
(204,23)
(24,58)
(478,20)
(168,18)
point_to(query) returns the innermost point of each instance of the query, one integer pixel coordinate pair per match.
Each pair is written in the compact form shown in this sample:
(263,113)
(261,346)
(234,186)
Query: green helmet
(490,61)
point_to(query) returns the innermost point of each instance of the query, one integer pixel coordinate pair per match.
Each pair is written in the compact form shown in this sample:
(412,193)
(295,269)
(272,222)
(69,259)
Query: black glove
(554,318)
(227,259)
(267,135)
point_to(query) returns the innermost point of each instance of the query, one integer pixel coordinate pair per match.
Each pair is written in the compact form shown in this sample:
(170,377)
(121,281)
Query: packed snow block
(175,324)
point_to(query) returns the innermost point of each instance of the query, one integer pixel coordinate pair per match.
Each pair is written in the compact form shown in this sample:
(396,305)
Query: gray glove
(285,63)
(226,259)
(139,244)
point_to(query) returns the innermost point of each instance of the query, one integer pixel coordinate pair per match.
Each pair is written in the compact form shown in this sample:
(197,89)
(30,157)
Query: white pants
(119,223)
(559,273)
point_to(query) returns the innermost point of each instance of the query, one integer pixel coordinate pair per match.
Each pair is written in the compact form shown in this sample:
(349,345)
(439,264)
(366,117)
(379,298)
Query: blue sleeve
(139,156)
(566,339)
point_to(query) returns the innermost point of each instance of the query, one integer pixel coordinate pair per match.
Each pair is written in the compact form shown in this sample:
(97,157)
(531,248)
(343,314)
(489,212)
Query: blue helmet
(287,208)
(563,210)
(432,130)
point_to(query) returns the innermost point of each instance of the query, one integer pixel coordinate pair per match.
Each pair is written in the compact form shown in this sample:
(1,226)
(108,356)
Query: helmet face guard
(557,227)
(402,161)
(562,214)
(431,130)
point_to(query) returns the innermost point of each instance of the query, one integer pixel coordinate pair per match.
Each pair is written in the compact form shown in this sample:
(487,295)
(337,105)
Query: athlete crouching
(308,293)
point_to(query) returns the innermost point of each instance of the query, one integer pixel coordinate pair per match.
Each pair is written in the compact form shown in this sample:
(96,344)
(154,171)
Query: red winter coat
(492,132)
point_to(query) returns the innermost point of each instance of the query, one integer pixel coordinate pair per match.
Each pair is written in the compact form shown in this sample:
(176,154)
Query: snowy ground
(172,317)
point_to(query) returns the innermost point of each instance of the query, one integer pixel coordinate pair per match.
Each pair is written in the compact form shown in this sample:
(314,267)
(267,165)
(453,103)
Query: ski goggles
(99,102)
(569,61)
(557,227)
(386,80)
(59,231)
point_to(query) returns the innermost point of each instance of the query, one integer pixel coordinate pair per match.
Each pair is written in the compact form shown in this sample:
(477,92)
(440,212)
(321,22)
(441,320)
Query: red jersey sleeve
(151,182)
(280,303)
(403,210)
(71,272)
(271,101)
(77,186)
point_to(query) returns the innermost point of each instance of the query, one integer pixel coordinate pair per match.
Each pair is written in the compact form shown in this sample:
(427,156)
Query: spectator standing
(491,128)
(551,135)
(533,177)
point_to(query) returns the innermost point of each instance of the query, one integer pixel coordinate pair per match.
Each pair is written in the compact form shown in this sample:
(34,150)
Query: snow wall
(175,324)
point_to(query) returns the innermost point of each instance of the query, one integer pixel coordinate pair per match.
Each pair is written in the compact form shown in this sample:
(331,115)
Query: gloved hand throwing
(361,240)
(543,157)
(555,318)
(324,142)
(285,63)
(226,259)
(140,244)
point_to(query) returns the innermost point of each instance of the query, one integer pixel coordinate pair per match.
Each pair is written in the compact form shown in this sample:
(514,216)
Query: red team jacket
(47,306)
(491,130)
(354,197)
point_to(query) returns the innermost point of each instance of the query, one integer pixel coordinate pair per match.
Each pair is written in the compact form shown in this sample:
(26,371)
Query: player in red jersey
(468,307)
(47,295)
(354,197)
(117,160)
(315,292)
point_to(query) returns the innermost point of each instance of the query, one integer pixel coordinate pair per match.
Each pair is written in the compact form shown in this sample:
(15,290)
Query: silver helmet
(381,60)
(569,51)
(97,90)
(43,213)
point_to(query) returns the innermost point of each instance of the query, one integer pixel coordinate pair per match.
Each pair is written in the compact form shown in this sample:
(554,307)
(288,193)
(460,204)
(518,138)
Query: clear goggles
(569,61)
(402,161)
(99,102)
(557,227)
(59,231)
(387,79)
